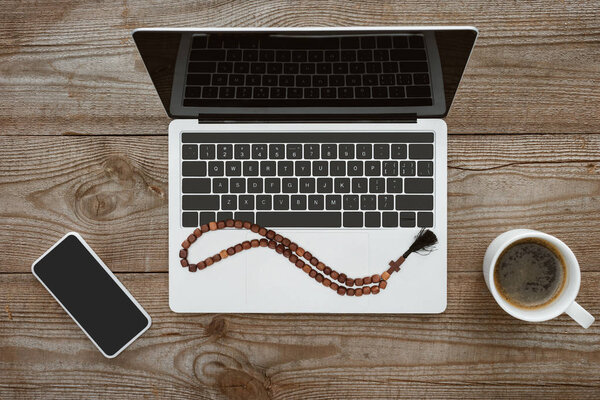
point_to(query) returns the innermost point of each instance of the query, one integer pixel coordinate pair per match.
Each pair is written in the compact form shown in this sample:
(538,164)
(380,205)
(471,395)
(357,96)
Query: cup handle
(579,314)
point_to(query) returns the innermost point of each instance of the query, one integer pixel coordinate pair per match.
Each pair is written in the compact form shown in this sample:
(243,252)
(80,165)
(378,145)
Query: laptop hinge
(295,118)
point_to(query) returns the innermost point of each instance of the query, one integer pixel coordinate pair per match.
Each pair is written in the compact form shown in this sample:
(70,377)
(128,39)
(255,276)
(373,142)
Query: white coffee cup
(564,302)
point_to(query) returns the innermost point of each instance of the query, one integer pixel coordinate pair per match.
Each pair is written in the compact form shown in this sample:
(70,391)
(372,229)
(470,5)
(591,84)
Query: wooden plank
(71,67)
(473,350)
(113,190)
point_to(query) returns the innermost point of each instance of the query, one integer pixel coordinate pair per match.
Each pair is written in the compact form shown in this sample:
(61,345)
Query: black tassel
(424,241)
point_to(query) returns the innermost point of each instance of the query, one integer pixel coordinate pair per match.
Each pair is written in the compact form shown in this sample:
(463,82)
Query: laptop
(332,137)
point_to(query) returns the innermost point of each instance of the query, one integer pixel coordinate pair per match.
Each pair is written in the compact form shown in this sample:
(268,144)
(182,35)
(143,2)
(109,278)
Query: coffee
(530,273)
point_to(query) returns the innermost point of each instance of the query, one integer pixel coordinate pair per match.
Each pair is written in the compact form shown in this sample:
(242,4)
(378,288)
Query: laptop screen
(366,73)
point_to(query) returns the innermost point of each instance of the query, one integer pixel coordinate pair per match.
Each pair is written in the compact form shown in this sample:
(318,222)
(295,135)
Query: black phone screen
(89,293)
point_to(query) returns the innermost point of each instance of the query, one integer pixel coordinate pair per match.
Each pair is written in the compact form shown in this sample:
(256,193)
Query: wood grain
(71,67)
(473,350)
(113,190)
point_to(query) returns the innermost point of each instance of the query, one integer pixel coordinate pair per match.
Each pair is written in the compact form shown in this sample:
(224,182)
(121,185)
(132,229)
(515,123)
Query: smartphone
(91,294)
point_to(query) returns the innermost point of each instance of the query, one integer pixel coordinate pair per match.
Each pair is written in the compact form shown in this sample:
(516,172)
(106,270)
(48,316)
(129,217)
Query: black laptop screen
(276,74)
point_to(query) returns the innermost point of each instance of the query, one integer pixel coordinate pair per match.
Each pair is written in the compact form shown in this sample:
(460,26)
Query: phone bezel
(114,278)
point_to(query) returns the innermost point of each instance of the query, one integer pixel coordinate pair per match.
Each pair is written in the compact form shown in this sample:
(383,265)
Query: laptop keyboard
(309,180)
(345,71)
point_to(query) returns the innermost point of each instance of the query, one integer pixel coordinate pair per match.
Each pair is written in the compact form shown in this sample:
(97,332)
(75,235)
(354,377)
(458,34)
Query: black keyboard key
(324,185)
(277,93)
(311,151)
(333,202)
(400,42)
(328,93)
(189,219)
(250,55)
(196,185)
(357,68)
(414,202)
(233,168)
(408,55)
(421,151)
(289,185)
(283,56)
(234,55)
(225,67)
(416,41)
(207,55)
(340,68)
(353,220)
(372,168)
(206,217)
(210,92)
(370,80)
(363,151)
(243,92)
(320,168)
(227,92)
(307,185)
(425,220)
(285,168)
(281,202)
(267,168)
(384,42)
(245,216)
(319,80)
(215,42)
(241,67)
(421,79)
(299,56)
(387,80)
(342,185)
(418,91)
(274,68)
(407,168)
(259,151)
(303,168)
(410,66)
(220,185)
(276,151)
(368,202)
(309,219)
(346,150)
(311,93)
(224,215)
(324,68)
(332,55)
(381,55)
(294,93)
(385,202)
(359,185)
(364,55)
(189,152)
(316,202)
(242,151)
(303,80)
(308,69)
(390,168)
(374,67)
(246,202)
(353,80)
(253,80)
(250,168)
(193,168)
(228,202)
(337,168)
(381,150)
(398,151)
(216,168)
(294,151)
(237,185)
(396,91)
(407,219)
(263,202)
(260,92)
(418,185)
(355,168)
(380,92)
(219,79)
(255,185)
(351,202)
(200,202)
(345,92)
(328,151)
(193,91)
(267,55)
(298,202)
(404,79)
(272,185)
(390,219)
(199,42)
(315,56)
(394,185)
(207,67)
(390,67)
(372,220)
(425,168)
(376,185)
(224,151)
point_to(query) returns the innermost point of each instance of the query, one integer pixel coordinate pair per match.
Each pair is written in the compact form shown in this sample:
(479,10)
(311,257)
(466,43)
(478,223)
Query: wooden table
(83,147)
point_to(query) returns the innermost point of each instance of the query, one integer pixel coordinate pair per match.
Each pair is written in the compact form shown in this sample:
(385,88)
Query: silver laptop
(333,137)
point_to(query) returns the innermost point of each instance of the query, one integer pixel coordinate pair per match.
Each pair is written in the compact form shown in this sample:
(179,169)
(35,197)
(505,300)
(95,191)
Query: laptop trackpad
(272,282)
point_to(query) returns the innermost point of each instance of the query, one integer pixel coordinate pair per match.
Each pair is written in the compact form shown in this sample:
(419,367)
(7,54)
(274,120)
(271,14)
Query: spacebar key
(310,219)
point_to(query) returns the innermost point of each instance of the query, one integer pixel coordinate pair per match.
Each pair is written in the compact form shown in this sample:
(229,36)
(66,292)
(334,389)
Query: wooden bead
(197,232)
(293,246)
(287,253)
(312,273)
(349,282)
(272,244)
(358,292)
(223,254)
(182,253)
(300,251)
(382,284)
(308,255)
(320,266)
(319,278)
(184,262)
(278,238)
(293,258)
(191,239)
(201,265)
(254,228)
(334,274)
(231,251)
(262,231)
(229,223)
(341,291)
(280,248)
(350,292)
(342,278)
(375,289)
(263,242)
(212,226)
(306,268)
(358,282)
(375,278)
(247,224)
(366,290)
(238,224)
(327,270)
(209,261)
(193,267)
(326,282)
(238,247)
(314,261)
(220,224)
(246,245)
(286,242)
(216,258)
(334,286)
(270,234)
(185,244)
(204,228)
(385,276)
(367,280)
(299,263)
(254,243)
